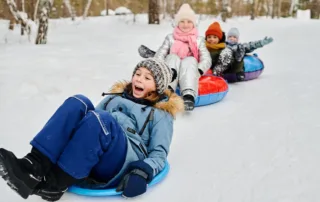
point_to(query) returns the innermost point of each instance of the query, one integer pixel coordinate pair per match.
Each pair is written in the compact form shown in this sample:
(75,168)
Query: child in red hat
(221,55)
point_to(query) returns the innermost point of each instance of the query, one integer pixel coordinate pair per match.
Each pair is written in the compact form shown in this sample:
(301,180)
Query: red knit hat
(214,29)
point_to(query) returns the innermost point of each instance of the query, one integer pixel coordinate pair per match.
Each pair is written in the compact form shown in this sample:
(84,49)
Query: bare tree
(18,16)
(45,6)
(259,7)
(172,8)
(252,12)
(23,10)
(85,13)
(224,9)
(36,10)
(107,6)
(153,12)
(23,6)
(164,8)
(315,9)
(292,7)
(279,8)
(70,9)
(273,9)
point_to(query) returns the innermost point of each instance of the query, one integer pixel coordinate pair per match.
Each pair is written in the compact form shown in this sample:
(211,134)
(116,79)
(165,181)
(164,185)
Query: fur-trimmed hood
(173,105)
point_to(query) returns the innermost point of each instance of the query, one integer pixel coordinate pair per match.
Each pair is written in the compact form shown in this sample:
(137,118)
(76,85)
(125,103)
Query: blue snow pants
(83,141)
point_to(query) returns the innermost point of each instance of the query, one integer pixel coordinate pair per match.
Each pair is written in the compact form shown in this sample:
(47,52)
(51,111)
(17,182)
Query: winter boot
(23,175)
(54,184)
(188,102)
(240,76)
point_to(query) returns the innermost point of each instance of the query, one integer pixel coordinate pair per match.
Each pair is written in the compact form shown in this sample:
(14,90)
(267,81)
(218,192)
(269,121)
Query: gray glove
(266,41)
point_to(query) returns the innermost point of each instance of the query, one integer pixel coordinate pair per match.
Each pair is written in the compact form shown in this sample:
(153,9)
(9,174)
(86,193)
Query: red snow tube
(212,89)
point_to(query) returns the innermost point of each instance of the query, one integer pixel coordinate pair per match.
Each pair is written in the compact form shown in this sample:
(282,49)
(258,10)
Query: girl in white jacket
(185,52)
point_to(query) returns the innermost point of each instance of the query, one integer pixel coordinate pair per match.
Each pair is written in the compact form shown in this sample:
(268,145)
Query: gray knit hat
(161,73)
(234,32)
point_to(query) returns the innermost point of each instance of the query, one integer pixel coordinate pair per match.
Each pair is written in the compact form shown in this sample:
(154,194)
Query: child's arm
(204,58)
(224,62)
(164,49)
(160,140)
(253,45)
(139,173)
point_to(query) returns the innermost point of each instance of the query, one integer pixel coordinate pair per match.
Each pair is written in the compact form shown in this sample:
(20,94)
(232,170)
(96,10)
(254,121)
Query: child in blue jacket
(123,142)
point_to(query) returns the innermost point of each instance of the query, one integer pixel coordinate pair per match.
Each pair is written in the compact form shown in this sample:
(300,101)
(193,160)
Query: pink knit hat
(185,12)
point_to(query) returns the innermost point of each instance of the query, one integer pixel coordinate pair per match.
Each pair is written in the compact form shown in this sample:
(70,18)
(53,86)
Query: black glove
(174,74)
(134,182)
(201,72)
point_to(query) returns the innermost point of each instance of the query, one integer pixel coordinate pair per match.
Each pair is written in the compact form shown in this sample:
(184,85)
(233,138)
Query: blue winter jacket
(153,145)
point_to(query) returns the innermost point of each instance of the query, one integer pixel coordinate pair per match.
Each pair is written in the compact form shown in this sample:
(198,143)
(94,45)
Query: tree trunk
(12,22)
(279,8)
(252,13)
(315,9)
(172,8)
(23,10)
(70,9)
(153,12)
(23,6)
(107,7)
(18,17)
(85,13)
(273,8)
(292,5)
(35,14)
(45,6)
(164,8)
(224,11)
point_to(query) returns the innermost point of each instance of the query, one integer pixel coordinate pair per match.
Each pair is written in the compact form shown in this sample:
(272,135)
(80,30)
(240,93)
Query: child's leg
(240,71)
(189,76)
(57,132)
(23,175)
(98,145)
(98,141)
(173,61)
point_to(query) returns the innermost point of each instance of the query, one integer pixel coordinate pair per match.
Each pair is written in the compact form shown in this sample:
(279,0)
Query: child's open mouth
(138,88)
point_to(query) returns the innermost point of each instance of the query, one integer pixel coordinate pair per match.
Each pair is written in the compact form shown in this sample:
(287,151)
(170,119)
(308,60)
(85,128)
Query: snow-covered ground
(259,144)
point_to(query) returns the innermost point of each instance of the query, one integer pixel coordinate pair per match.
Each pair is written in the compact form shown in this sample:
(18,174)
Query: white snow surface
(122,10)
(304,14)
(259,144)
(104,12)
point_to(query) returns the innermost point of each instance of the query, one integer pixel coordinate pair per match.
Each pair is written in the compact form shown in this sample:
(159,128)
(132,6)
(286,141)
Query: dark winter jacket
(240,49)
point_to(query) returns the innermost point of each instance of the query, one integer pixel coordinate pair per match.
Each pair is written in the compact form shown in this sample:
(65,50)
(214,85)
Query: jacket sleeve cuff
(141,165)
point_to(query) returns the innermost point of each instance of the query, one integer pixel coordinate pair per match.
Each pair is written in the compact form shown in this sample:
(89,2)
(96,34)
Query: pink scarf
(185,44)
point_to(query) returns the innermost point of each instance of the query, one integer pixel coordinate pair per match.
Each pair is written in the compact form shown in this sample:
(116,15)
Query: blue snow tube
(253,68)
(112,191)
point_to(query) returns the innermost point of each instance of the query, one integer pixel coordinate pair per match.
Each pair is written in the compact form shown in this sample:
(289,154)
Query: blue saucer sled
(112,192)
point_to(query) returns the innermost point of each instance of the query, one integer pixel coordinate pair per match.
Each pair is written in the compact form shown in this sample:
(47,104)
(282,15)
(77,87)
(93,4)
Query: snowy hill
(259,144)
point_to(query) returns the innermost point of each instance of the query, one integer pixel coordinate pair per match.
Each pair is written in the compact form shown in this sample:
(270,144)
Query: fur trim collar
(173,105)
